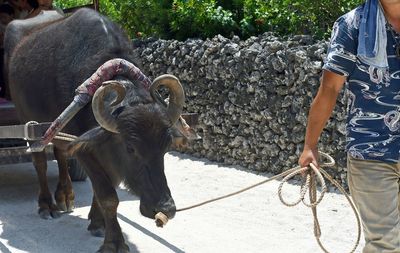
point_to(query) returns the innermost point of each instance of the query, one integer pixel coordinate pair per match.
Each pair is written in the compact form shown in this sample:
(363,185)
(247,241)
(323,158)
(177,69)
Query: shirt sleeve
(341,57)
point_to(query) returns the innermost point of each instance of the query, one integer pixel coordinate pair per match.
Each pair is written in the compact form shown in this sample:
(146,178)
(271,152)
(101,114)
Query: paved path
(252,222)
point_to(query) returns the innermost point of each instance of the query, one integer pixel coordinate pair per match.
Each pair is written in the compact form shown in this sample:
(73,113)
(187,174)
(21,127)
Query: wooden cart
(14,150)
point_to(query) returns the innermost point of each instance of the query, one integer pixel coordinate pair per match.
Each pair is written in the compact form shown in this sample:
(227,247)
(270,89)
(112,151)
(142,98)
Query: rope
(65,137)
(313,174)
(310,184)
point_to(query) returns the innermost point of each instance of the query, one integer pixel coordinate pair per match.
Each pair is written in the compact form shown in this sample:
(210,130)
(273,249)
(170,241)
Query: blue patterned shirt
(373,95)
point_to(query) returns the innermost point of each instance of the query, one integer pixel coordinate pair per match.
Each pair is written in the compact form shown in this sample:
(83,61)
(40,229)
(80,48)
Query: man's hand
(309,155)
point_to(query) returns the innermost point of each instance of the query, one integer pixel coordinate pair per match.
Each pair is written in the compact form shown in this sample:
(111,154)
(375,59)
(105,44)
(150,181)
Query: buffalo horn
(176,95)
(102,110)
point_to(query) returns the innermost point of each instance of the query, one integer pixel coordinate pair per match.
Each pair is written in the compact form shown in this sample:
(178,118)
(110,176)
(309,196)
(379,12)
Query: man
(6,15)
(364,54)
(24,8)
(30,8)
(43,5)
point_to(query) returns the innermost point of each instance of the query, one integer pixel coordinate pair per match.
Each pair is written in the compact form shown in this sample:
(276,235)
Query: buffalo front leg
(113,241)
(107,200)
(47,208)
(96,226)
(64,194)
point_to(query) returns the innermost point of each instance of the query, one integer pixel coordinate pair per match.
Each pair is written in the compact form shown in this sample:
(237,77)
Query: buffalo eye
(168,139)
(118,111)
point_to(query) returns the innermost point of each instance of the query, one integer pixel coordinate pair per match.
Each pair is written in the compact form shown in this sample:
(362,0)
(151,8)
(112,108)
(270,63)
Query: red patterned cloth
(85,92)
(110,69)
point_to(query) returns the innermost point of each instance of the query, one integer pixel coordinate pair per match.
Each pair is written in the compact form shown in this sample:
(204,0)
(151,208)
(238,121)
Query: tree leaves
(182,19)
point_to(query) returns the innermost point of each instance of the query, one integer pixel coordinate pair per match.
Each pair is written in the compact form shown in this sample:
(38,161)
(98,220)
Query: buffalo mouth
(161,218)
(168,209)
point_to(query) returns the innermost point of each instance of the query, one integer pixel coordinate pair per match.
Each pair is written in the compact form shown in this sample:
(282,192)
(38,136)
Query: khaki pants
(374,187)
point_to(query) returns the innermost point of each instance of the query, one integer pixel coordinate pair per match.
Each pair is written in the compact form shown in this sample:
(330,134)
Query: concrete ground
(252,222)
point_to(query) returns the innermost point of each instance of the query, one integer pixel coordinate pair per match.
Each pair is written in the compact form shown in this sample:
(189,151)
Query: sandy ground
(254,221)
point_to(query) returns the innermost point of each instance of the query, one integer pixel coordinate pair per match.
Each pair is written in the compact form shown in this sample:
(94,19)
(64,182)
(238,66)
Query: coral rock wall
(253,97)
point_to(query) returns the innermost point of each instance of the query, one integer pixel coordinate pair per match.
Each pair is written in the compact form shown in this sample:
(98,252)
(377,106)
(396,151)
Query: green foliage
(70,3)
(181,19)
(138,17)
(286,17)
(257,17)
(141,17)
(201,18)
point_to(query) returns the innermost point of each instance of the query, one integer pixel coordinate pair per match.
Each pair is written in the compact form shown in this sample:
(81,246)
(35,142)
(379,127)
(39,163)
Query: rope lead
(313,174)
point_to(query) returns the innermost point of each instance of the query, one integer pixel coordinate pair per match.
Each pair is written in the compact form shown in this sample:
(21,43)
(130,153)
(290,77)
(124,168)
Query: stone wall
(253,97)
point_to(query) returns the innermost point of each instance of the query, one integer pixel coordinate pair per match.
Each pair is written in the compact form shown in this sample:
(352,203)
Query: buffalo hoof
(98,232)
(65,199)
(67,206)
(114,248)
(48,214)
(96,228)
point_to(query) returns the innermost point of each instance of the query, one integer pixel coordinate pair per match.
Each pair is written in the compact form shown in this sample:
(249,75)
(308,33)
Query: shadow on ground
(21,228)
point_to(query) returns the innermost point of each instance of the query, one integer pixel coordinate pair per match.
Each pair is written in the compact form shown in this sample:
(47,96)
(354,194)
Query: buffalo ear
(118,111)
(94,135)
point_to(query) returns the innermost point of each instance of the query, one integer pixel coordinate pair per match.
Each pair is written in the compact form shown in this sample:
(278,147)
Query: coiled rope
(313,174)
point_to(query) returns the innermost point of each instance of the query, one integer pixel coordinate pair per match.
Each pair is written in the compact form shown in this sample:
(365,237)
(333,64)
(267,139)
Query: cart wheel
(76,172)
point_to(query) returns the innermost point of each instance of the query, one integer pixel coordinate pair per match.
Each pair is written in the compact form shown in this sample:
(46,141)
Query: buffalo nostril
(172,212)
(167,207)
(165,212)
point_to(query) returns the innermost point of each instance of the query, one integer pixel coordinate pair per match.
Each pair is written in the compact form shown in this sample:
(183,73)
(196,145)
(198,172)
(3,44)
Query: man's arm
(320,111)
(43,5)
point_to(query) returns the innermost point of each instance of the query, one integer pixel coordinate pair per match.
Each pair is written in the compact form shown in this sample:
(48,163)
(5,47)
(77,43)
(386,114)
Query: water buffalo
(125,142)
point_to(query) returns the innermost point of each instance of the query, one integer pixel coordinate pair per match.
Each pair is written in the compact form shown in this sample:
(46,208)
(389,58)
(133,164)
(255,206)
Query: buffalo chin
(146,212)
(132,190)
